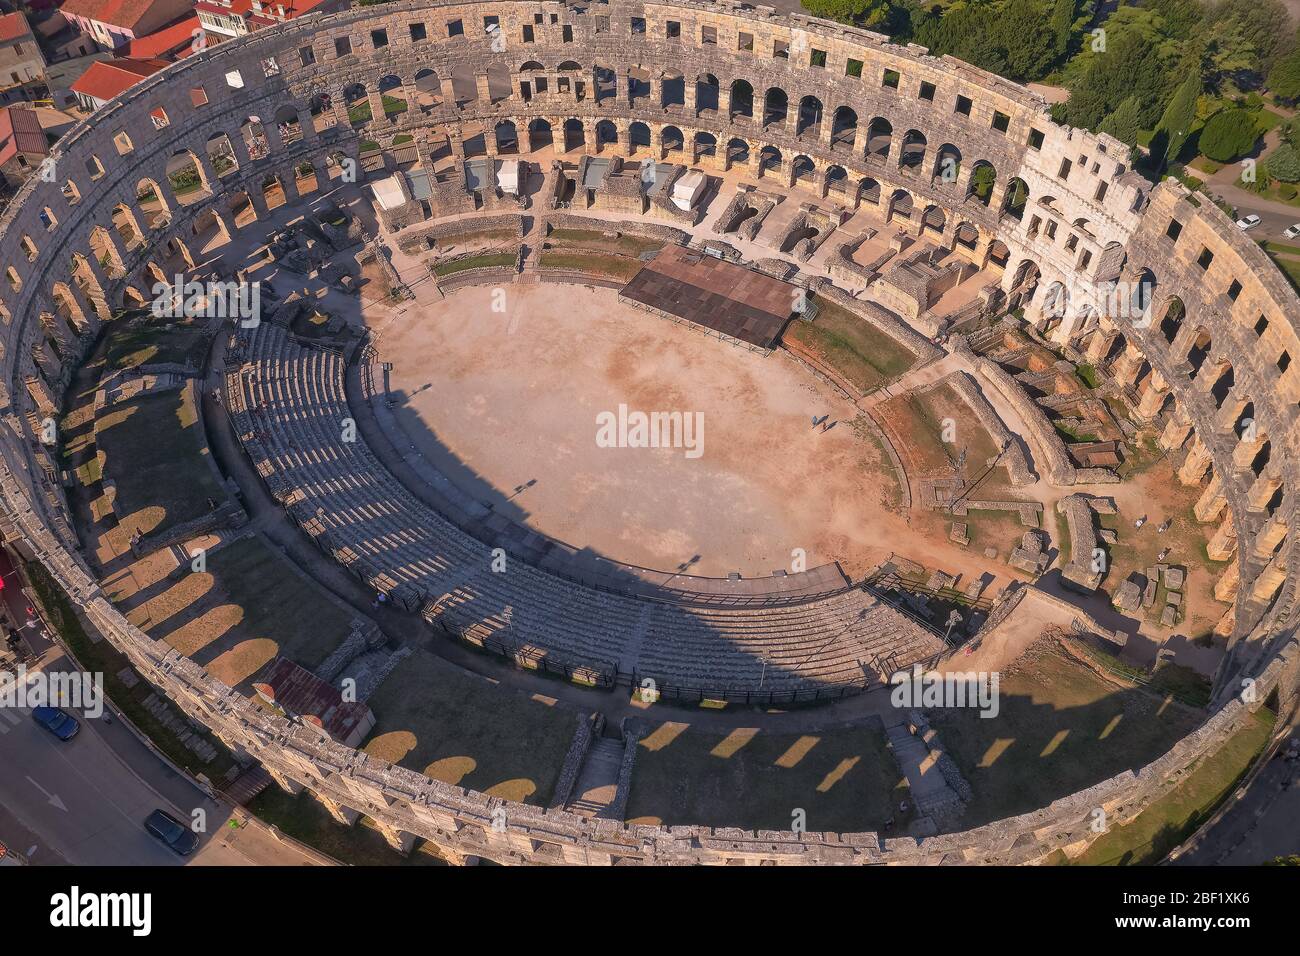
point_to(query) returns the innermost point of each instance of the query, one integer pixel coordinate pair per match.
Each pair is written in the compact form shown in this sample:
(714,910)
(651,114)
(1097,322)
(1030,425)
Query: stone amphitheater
(1153,286)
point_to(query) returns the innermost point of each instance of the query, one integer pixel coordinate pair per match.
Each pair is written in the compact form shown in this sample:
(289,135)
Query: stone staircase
(598,782)
(930,791)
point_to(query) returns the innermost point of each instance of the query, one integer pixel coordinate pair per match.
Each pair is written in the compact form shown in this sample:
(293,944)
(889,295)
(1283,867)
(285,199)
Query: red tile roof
(20,132)
(120,13)
(168,40)
(107,78)
(13,26)
(300,693)
(244,8)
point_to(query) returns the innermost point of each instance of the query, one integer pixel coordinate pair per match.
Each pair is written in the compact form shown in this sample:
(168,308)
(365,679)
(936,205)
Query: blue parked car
(58,722)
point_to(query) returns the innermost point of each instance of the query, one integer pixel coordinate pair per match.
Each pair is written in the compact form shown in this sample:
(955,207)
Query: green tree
(1284,78)
(1229,134)
(1125,123)
(1176,121)
(865,13)
(1026,38)
(1061,26)
(1284,164)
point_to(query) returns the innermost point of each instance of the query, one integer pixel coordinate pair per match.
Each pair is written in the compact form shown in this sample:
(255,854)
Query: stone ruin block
(1128,596)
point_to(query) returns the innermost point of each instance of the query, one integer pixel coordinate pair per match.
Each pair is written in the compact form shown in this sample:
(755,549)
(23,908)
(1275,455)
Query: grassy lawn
(845,779)
(852,346)
(469,732)
(102,658)
(246,609)
(618,267)
(1060,728)
(154,341)
(155,451)
(1175,816)
(595,239)
(475,262)
(303,818)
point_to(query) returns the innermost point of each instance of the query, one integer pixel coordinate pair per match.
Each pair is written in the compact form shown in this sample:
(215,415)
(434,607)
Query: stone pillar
(258,201)
(1175,432)
(1269,580)
(1262,491)
(344,815)
(724,101)
(88,313)
(119,256)
(689,96)
(447,92)
(1225,589)
(481,89)
(339,103)
(1224,541)
(1126,367)
(1153,398)
(376,105)
(656,91)
(1233,407)
(1212,501)
(1102,342)
(1246,451)
(1269,537)
(589,136)
(399,840)
(289,786)
(1198,459)
(40,394)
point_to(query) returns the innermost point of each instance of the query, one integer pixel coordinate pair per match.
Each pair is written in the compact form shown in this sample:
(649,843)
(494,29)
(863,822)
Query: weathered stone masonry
(1207,341)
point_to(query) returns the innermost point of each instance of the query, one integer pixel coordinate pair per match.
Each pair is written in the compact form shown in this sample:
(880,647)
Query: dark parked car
(178,837)
(58,722)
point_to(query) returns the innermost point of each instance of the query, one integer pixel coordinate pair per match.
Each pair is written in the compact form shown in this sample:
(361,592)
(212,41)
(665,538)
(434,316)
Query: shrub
(1229,134)
(1284,164)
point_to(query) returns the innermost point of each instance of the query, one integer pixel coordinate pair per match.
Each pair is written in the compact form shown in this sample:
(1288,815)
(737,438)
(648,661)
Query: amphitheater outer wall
(1127,229)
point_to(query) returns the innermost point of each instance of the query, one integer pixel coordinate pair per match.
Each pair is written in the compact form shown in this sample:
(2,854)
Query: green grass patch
(845,779)
(855,348)
(240,613)
(1088,375)
(595,239)
(157,455)
(1060,728)
(618,267)
(475,262)
(153,341)
(469,732)
(1174,817)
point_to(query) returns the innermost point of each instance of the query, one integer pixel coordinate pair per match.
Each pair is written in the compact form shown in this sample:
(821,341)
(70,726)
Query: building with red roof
(302,695)
(106,79)
(115,23)
(21,60)
(170,43)
(226,19)
(23,143)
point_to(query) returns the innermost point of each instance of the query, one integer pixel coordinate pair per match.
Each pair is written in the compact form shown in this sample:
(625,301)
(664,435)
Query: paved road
(83,801)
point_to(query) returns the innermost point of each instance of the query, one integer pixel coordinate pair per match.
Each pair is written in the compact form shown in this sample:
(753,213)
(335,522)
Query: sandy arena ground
(499,401)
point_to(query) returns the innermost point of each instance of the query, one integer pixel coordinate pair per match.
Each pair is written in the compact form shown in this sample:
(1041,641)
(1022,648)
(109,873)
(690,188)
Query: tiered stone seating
(290,410)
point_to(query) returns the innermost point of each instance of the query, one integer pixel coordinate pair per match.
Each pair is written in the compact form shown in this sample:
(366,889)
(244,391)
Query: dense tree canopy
(1229,134)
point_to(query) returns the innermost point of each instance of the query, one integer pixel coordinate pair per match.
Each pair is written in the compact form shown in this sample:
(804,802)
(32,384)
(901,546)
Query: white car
(1292,232)
(1249,222)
